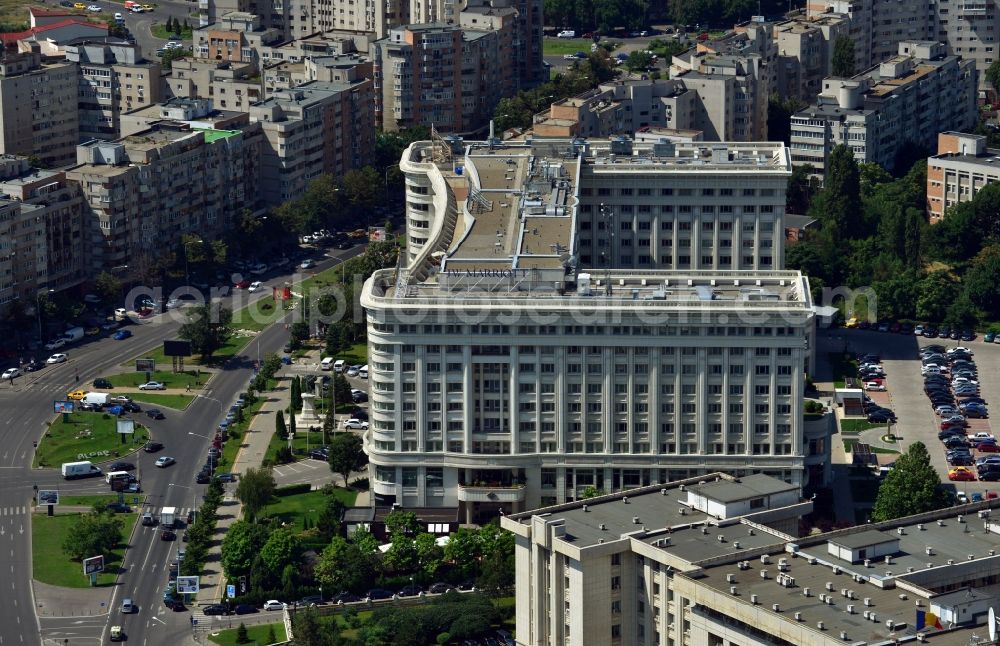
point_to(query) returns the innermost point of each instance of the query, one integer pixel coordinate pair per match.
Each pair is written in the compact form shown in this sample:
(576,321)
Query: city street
(28,406)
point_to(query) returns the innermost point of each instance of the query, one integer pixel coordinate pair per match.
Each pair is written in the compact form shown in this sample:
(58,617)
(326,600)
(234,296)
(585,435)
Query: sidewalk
(251,455)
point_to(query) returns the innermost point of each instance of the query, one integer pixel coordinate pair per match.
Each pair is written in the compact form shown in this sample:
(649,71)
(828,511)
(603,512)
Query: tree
(208,328)
(346,455)
(296,394)
(912,486)
(363,187)
(279,425)
(328,523)
(638,61)
(342,565)
(429,554)
(935,295)
(839,205)
(981,282)
(842,62)
(801,187)
(993,75)
(462,550)
(241,635)
(402,553)
(282,548)
(255,490)
(779,113)
(94,534)
(402,521)
(108,288)
(242,542)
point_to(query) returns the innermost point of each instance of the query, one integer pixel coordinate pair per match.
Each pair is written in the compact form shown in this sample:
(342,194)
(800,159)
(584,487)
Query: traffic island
(51,565)
(73,437)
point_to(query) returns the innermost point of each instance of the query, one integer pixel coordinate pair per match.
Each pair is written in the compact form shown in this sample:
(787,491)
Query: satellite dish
(993,625)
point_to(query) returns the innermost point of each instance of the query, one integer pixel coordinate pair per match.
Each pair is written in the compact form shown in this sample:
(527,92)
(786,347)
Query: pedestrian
(77,378)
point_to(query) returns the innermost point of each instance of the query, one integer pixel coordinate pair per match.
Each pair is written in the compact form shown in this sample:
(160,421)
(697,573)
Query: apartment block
(508,346)
(439,74)
(962,166)
(313,129)
(229,85)
(719,561)
(907,99)
(970,28)
(300,18)
(42,242)
(332,68)
(196,113)
(529,69)
(805,53)
(146,190)
(113,79)
(38,106)
(237,37)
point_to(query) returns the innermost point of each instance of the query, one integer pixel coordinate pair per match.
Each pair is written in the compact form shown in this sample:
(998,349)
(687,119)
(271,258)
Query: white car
(273,604)
(255,286)
(307,264)
(165,461)
(119,17)
(259,268)
(152,385)
(173,303)
(961,348)
(10,373)
(55,344)
(56,358)
(120,313)
(94,8)
(875,386)
(355,424)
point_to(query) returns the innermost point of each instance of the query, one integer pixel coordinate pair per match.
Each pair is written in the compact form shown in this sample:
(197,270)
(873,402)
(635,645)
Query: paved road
(27,406)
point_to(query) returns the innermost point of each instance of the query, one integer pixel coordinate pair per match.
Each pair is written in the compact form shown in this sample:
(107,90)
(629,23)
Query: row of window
(576,331)
(628,191)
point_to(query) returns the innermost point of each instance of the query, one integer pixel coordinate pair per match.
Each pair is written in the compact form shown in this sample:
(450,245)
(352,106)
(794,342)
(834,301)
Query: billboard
(145,365)
(187,585)
(126,426)
(93,565)
(48,497)
(62,406)
(176,348)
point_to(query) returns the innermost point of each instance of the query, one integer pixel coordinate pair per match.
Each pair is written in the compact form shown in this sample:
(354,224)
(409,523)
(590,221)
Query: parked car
(440,587)
(309,601)
(874,386)
(378,593)
(56,358)
(322,453)
(245,609)
(154,413)
(215,609)
(355,424)
(153,385)
(273,604)
(345,597)
(961,473)
(411,590)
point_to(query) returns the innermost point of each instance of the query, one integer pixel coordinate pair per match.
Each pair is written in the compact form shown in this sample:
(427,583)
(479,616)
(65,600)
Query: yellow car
(76,395)
(147,7)
(851,322)
(79,5)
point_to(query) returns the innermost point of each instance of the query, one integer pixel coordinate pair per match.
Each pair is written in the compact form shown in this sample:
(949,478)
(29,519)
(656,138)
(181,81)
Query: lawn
(257,635)
(856,425)
(90,501)
(160,31)
(193,378)
(86,436)
(291,509)
(50,565)
(178,402)
(259,314)
(232,446)
(300,443)
(560,46)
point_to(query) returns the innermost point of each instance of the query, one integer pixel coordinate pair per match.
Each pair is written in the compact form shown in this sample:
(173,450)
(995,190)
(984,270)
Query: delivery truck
(84,469)
(168,516)
(73,334)
(97,399)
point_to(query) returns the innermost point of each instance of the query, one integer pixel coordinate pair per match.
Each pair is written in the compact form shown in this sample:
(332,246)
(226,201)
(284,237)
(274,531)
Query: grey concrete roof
(751,486)
(863,539)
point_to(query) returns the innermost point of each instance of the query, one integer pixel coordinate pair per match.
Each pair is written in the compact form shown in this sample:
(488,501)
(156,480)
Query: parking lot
(905,395)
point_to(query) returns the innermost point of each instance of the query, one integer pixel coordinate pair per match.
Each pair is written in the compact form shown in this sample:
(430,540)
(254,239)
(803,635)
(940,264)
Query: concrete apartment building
(229,85)
(114,78)
(439,74)
(970,28)
(501,358)
(805,53)
(38,106)
(42,242)
(719,561)
(313,129)
(907,99)
(146,190)
(196,113)
(329,68)
(962,166)
(236,37)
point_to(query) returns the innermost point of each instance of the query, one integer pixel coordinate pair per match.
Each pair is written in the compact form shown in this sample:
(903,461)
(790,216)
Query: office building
(313,129)
(720,561)
(905,100)
(510,367)
(42,241)
(962,166)
(440,75)
(146,190)
(114,78)
(805,53)
(38,107)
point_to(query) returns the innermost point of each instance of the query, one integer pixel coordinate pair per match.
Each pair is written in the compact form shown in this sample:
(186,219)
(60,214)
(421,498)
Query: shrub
(292,490)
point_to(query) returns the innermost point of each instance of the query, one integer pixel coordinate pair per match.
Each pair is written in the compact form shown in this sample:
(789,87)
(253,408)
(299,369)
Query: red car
(988,447)
(243,284)
(945,425)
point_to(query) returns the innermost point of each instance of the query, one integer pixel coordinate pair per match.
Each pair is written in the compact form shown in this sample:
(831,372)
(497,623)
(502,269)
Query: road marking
(159,620)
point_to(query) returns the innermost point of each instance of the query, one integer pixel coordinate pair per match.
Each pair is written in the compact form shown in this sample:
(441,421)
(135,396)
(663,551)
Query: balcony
(495,493)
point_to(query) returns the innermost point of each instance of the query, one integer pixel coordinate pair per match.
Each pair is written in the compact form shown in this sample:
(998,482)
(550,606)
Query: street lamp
(191,489)
(211,461)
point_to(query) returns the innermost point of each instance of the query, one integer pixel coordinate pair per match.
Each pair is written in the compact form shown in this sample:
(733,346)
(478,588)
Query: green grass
(857,425)
(51,565)
(260,314)
(170,379)
(179,402)
(236,434)
(884,451)
(160,31)
(560,46)
(90,501)
(357,354)
(299,443)
(291,509)
(66,441)
(257,635)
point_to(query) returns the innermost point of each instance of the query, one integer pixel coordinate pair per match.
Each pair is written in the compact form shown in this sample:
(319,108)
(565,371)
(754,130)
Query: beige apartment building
(38,106)
(439,74)
(310,130)
(331,68)
(230,85)
(805,53)
(42,241)
(909,98)
(300,18)
(236,37)
(962,166)
(196,113)
(114,79)
(146,190)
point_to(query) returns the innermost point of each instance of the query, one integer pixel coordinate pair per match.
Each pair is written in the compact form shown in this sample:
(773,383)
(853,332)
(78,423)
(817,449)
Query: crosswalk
(180,513)
(13,511)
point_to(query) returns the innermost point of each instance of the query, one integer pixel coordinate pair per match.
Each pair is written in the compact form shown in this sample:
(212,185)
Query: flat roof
(212,135)
(748,487)
(863,539)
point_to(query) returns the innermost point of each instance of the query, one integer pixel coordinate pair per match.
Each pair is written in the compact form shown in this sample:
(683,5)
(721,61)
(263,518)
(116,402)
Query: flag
(927,619)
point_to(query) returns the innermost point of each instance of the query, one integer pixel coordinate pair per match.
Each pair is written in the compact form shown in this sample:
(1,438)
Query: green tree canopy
(346,455)
(282,548)
(242,542)
(108,288)
(343,566)
(208,328)
(255,490)
(992,75)
(94,534)
(912,486)
(843,62)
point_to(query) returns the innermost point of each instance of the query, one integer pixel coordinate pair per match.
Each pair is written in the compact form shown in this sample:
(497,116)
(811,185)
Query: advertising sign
(231,591)
(48,497)
(145,365)
(126,426)
(187,585)
(62,406)
(176,348)
(93,565)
